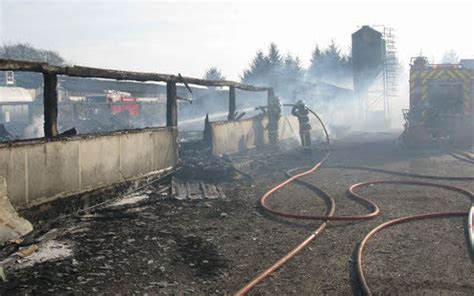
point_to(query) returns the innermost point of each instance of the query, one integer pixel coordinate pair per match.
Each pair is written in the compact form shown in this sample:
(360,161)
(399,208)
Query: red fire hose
(375,211)
(360,252)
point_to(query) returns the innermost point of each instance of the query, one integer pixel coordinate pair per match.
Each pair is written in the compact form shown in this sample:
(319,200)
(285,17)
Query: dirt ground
(152,244)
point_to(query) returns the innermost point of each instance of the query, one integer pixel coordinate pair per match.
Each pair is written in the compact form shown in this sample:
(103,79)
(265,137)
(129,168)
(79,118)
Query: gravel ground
(153,244)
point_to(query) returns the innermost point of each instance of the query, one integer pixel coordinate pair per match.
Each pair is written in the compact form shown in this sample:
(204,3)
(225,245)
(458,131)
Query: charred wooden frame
(232,106)
(50,73)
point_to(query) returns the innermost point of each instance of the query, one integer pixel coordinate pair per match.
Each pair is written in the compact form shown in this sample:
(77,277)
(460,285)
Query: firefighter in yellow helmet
(301,112)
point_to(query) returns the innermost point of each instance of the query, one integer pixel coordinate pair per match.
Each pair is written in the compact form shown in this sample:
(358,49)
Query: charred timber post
(231,115)
(273,113)
(50,104)
(171,105)
(270,96)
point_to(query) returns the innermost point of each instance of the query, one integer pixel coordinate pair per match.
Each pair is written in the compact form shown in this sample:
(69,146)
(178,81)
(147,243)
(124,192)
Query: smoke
(400,102)
(35,128)
(212,101)
(215,103)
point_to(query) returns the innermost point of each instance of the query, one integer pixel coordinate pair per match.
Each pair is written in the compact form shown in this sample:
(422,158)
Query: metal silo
(368,54)
(372,72)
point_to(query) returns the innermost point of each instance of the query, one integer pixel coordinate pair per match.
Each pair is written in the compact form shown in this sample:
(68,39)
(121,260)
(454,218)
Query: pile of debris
(197,191)
(198,163)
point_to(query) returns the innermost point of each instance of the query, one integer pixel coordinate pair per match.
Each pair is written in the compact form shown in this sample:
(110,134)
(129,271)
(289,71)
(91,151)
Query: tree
(316,56)
(274,57)
(292,69)
(274,70)
(265,69)
(26,52)
(213,73)
(450,57)
(330,64)
(258,71)
(333,53)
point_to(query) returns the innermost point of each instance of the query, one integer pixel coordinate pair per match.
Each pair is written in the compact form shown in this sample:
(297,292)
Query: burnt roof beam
(89,72)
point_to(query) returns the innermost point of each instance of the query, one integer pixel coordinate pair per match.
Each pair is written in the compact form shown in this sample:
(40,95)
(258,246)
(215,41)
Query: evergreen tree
(315,58)
(276,66)
(273,69)
(292,68)
(265,69)
(330,64)
(274,57)
(258,71)
(213,74)
(333,54)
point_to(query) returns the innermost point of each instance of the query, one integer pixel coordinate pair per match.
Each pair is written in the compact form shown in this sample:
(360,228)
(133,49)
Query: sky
(189,37)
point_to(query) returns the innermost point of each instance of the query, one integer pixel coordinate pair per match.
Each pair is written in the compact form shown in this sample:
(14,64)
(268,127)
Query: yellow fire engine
(441,104)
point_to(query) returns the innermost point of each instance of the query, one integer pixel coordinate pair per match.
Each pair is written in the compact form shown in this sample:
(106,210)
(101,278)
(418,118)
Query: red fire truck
(121,101)
(113,103)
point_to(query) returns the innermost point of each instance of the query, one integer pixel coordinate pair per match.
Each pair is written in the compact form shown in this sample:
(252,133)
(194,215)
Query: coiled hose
(375,211)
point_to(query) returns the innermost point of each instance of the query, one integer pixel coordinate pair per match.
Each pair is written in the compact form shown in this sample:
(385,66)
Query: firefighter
(301,112)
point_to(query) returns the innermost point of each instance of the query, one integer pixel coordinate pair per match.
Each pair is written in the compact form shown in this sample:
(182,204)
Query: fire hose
(462,156)
(375,211)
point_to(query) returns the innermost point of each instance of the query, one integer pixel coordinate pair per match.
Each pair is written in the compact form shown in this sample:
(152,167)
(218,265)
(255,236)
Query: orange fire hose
(358,198)
(360,268)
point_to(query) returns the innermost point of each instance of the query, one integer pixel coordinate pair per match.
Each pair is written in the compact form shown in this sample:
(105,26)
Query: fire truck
(112,103)
(441,105)
(122,102)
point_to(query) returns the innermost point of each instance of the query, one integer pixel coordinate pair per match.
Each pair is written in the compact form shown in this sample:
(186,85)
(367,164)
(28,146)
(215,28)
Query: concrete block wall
(12,226)
(237,136)
(38,171)
(230,137)
(288,128)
